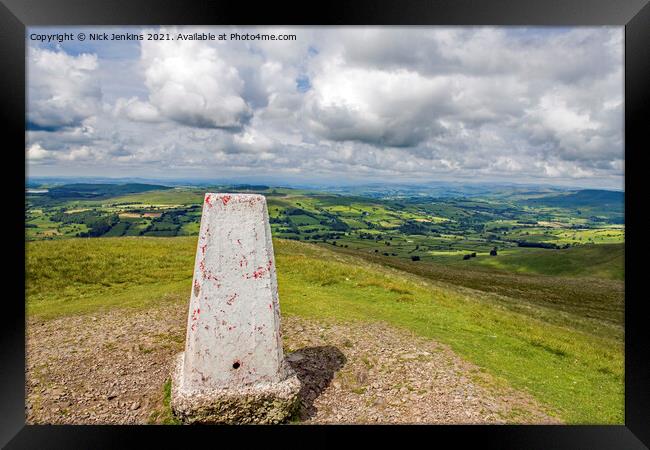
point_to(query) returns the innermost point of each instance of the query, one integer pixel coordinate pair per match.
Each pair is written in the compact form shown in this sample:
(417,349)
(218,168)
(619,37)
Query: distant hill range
(92,190)
(542,196)
(587,197)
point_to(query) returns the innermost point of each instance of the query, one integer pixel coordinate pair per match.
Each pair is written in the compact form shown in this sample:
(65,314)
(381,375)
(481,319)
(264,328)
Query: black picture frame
(16,15)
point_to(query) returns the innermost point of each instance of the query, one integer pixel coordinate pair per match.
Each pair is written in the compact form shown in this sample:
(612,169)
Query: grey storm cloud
(530,104)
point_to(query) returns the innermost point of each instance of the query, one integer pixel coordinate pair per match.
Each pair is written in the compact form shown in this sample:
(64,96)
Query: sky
(337,104)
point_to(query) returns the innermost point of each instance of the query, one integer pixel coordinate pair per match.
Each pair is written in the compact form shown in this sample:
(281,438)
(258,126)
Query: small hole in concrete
(236,365)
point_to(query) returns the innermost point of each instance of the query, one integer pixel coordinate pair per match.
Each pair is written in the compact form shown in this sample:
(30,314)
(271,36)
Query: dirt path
(111,368)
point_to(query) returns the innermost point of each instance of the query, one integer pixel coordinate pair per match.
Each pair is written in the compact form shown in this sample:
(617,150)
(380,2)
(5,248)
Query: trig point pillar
(233,369)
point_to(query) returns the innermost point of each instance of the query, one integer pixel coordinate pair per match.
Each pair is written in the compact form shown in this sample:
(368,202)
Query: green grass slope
(603,261)
(593,261)
(577,374)
(591,304)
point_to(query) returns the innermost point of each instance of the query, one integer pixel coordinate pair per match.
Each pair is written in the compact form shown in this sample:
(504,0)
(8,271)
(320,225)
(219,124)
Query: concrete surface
(233,351)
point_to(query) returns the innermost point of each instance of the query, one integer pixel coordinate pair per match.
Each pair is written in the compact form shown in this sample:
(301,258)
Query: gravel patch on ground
(111,369)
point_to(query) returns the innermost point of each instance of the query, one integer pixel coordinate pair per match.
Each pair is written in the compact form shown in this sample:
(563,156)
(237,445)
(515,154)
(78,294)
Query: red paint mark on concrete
(225,199)
(260,271)
(207,200)
(207,274)
(195,317)
(243,262)
(203,247)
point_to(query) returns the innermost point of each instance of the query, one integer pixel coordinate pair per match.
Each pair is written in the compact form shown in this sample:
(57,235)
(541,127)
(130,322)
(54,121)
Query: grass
(85,275)
(164,415)
(170,197)
(575,371)
(593,261)
(591,304)
(578,374)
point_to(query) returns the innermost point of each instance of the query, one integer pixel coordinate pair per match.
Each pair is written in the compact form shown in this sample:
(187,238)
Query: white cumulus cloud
(63,89)
(191,83)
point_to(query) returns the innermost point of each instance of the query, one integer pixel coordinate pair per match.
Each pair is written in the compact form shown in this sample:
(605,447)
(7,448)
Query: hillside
(585,197)
(90,190)
(532,347)
(596,261)
(591,261)
(580,287)
(401,227)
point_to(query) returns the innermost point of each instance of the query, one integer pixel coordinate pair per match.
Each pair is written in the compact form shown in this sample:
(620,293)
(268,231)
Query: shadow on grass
(315,367)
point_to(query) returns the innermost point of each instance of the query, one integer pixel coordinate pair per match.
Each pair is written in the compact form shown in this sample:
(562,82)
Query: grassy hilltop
(568,354)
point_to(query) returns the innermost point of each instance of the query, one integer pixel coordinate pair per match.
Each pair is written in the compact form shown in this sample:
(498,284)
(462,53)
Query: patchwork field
(394,225)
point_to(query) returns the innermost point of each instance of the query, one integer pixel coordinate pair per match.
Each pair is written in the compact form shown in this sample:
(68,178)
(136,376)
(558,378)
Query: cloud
(136,110)
(190,83)
(37,153)
(78,154)
(409,103)
(63,90)
(388,108)
(436,92)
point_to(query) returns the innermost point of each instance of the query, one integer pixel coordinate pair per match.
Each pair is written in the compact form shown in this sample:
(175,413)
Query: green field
(557,337)
(593,261)
(404,227)
(167,197)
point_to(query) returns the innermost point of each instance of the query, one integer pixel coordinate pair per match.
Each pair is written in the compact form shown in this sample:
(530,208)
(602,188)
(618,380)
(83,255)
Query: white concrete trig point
(233,369)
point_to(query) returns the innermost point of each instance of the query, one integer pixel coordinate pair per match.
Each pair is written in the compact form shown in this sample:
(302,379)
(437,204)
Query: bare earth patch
(111,368)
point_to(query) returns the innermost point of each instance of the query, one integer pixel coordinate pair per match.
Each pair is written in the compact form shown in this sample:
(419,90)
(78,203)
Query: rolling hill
(570,363)
(585,197)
